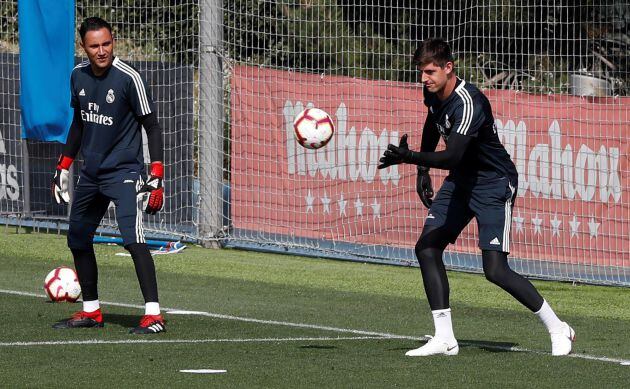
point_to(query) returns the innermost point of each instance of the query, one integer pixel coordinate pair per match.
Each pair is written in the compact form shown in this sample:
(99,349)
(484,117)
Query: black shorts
(489,202)
(91,200)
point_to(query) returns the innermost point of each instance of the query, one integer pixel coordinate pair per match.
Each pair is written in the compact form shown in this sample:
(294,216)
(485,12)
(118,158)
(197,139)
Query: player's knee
(430,245)
(425,253)
(421,251)
(79,237)
(495,266)
(137,249)
(494,275)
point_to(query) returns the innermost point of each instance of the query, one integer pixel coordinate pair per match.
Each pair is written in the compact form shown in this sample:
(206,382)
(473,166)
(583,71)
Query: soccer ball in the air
(62,284)
(313,128)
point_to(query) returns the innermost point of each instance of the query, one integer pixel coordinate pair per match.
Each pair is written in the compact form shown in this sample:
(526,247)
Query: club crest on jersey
(110,96)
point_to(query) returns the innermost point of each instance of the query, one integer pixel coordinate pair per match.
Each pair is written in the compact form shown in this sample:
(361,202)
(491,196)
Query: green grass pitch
(282,321)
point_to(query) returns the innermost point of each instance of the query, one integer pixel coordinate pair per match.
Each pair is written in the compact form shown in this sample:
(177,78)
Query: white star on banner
(518,222)
(593,226)
(358,205)
(537,222)
(376,207)
(326,203)
(575,225)
(309,201)
(555,225)
(342,205)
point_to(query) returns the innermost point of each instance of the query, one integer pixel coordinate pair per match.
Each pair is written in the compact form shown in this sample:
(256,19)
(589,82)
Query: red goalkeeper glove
(61,180)
(153,191)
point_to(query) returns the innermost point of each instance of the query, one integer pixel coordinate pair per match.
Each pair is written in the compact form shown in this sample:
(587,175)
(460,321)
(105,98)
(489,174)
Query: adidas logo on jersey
(495,241)
(82,93)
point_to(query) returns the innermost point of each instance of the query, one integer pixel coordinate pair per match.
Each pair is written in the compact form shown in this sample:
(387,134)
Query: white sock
(91,306)
(443,324)
(549,318)
(152,308)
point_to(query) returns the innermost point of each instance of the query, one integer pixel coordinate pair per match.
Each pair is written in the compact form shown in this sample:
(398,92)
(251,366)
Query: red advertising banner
(571,154)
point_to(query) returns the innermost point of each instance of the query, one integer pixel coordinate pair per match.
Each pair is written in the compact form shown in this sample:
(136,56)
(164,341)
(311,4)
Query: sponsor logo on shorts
(495,242)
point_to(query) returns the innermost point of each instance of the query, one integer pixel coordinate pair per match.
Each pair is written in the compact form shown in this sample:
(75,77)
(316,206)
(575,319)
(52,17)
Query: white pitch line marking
(203,371)
(244,319)
(367,334)
(183,341)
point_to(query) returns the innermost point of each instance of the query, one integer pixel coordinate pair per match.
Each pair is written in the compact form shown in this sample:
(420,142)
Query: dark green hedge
(164,29)
(533,46)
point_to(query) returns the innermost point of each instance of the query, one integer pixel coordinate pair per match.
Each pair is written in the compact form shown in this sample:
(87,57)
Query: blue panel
(46,30)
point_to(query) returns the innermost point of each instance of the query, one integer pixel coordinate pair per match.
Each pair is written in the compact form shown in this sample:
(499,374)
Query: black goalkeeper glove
(395,155)
(424,187)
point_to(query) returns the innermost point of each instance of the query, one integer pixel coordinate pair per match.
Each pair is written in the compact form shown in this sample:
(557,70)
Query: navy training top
(467,112)
(110,106)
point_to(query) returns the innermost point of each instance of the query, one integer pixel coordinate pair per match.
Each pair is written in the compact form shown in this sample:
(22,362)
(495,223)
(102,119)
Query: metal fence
(228,77)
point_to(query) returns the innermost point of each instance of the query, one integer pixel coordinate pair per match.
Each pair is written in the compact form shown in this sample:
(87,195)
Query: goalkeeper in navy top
(481,183)
(111,105)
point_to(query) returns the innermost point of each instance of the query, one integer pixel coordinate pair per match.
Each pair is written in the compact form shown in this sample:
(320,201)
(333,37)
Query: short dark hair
(433,50)
(93,24)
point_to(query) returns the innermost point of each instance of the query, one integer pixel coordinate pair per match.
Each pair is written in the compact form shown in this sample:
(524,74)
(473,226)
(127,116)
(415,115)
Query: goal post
(211,123)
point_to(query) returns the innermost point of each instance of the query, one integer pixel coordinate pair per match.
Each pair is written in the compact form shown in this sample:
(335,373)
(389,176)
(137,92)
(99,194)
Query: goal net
(160,39)
(557,78)
(229,77)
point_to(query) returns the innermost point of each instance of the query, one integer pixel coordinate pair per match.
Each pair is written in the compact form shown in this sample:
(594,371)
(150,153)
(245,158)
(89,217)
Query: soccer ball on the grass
(62,284)
(313,128)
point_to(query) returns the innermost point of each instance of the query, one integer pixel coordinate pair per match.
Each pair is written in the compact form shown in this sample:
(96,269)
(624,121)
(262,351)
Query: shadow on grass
(318,346)
(485,345)
(127,321)
(109,318)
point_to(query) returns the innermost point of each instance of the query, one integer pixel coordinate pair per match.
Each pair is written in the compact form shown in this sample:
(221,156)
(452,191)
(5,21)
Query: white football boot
(561,341)
(435,346)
